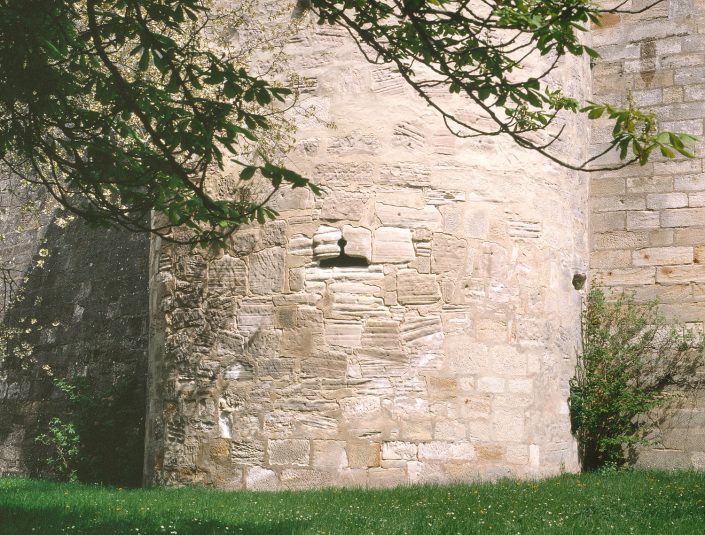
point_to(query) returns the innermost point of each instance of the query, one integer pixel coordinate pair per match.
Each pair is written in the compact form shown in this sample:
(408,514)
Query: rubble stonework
(444,354)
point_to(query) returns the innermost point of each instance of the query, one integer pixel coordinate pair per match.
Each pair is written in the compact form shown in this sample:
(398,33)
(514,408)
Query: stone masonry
(648,223)
(444,355)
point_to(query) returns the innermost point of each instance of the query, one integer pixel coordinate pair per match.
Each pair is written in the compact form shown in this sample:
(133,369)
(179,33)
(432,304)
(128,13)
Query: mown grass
(627,502)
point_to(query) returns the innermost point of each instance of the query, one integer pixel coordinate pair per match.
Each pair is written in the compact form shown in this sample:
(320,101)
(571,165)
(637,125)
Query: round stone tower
(416,323)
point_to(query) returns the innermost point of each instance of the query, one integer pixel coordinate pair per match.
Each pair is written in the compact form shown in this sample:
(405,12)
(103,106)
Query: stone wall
(85,304)
(443,354)
(648,223)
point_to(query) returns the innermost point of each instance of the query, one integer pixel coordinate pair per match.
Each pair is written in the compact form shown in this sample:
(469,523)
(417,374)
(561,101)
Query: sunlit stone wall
(443,354)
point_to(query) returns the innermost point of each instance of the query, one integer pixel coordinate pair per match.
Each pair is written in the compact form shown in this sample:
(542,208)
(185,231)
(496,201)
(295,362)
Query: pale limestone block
(662,256)
(300,245)
(442,387)
(611,258)
(642,220)
(448,253)
(359,242)
(508,424)
(259,478)
(325,242)
(425,473)
(620,240)
(294,478)
(617,203)
(343,333)
(346,173)
(650,184)
(361,406)
(392,245)
(363,454)
(517,454)
(689,182)
(683,217)
(329,455)
(288,452)
(689,236)
(491,329)
(694,273)
(607,186)
(414,288)
(491,384)
(404,217)
(399,451)
(658,201)
(534,455)
(449,430)
(386,477)
(339,205)
(446,451)
(608,221)
(414,174)
(627,277)
(476,406)
(696,200)
(520,386)
(507,360)
(661,237)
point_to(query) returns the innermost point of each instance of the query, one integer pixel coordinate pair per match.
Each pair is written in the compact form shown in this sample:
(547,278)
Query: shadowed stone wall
(648,222)
(88,295)
(443,355)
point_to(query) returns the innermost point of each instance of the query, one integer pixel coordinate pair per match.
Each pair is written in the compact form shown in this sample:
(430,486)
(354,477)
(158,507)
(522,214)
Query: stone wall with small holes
(648,222)
(442,352)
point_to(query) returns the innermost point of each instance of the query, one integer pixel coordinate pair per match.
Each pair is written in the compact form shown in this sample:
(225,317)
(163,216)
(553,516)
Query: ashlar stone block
(392,245)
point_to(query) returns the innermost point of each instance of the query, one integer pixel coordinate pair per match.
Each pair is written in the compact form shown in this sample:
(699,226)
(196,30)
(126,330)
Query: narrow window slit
(344,260)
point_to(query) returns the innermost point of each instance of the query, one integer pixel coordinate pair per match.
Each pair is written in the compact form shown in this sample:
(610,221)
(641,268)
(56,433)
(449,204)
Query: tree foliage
(124,107)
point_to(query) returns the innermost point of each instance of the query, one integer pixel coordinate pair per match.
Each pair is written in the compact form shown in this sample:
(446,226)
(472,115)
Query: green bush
(629,355)
(64,444)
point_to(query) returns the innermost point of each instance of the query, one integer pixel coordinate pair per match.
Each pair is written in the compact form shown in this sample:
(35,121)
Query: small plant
(64,442)
(629,355)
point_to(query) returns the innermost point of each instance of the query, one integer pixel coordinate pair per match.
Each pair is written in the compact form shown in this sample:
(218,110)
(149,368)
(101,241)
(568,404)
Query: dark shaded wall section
(90,302)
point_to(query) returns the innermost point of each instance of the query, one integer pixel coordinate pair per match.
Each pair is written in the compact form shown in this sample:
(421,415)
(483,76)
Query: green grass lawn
(628,502)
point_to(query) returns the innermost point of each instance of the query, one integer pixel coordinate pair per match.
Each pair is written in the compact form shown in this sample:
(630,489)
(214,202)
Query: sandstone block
(414,288)
(399,451)
(363,454)
(267,271)
(694,273)
(627,277)
(392,245)
(342,333)
(425,472)
(227,276)
(683,217)
(329,455)
(406,217)
(642,220)
(325,242)
(359,242)
(662,256)
(490,384)
(657,201)
(288,452)
(259,478)
(339,205)
(446,451)
(448,253)
(608,221)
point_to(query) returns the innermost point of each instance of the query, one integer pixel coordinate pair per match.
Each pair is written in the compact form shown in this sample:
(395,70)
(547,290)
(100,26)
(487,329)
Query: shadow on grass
(33,520)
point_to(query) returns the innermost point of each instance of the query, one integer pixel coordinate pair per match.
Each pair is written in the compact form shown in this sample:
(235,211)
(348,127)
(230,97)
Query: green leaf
(248,172)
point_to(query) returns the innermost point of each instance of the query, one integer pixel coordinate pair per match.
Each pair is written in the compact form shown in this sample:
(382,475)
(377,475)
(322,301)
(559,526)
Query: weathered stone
(392,245)
(417,289)
(267,271)
(288,452)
